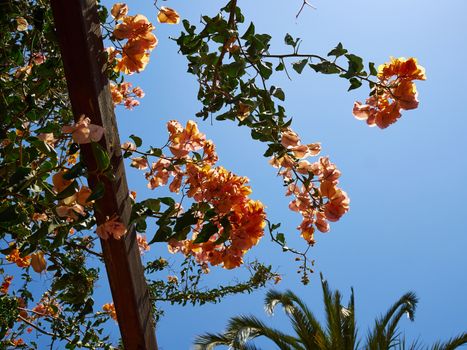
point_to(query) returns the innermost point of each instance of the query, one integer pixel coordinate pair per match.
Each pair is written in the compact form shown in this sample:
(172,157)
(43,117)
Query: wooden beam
(79,36)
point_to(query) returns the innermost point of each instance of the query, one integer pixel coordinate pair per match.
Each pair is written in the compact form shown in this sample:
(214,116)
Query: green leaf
(98,192)
(157,152)
(280,66)
(234,69)
(185,220)
(249,32)
(137,140)
(75,171)
(141,225)
(186,25)
(226,233)
(289,40)
(265,68)
(208,230)
(280,238)
(239,16)
(354,84)
(372,69)
(169,201)
(355,66)
(338,51)
(8,214)
(43,147)
(299,65)
(325,68)
(152,204)
(181,234)
(19,175)
(279,93)
(39,234)
(262,40)
(162,234)
(275,226)
(103,14)
(101,156)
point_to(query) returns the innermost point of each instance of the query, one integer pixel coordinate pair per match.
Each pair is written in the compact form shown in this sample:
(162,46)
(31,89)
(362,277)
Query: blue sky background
(406,228)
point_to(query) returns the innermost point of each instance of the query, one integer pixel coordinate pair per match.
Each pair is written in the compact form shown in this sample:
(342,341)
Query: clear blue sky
(407,226)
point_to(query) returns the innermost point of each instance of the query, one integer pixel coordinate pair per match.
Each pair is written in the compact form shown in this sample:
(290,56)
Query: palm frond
(384,333)
(244,328)
(333,310)
(349,324)
(452,343)
(306,326)
(209,341)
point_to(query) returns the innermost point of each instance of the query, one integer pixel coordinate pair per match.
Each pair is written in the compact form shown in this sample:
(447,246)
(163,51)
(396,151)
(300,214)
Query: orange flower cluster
(317,204)
(110,309)
(137,30)
(124,94)
(142,244)
(395,92)
(5,284)
(73,205)
(239,219)
(111,228)
(46,307)
(228,194)
(14,257)
(17,342)
(35,59)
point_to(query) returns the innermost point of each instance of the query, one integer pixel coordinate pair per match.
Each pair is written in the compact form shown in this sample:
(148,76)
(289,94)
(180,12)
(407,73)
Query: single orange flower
(168,15)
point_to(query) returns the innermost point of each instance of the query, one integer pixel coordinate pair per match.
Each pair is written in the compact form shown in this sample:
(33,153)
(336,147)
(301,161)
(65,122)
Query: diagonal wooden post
(79,36)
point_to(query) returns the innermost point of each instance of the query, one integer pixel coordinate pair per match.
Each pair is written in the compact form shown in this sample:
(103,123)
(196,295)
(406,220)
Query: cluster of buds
(16,258)
(124,94)
(109,309)
(394,92)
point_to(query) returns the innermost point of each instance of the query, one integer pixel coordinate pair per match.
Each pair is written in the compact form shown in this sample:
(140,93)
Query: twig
(305,3)
(322,59)
(233,6)
(43,331)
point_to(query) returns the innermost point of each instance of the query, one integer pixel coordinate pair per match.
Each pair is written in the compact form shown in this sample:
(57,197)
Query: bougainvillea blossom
(168,15)
(394,92)
(111,228)
(83,131)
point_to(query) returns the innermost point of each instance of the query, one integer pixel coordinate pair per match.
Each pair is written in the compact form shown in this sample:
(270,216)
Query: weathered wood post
(79,35)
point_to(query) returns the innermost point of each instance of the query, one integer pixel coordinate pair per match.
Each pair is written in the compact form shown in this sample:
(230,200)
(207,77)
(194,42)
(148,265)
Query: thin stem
(231,23)
(305,3)
(84,247)
(322,59)
(43,331)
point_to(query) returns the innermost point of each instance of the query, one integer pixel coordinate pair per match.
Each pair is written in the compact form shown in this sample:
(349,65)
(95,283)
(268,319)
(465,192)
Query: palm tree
(339,333)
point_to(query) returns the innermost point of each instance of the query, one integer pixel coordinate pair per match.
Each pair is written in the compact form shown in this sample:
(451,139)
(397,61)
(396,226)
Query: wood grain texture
(79,35)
